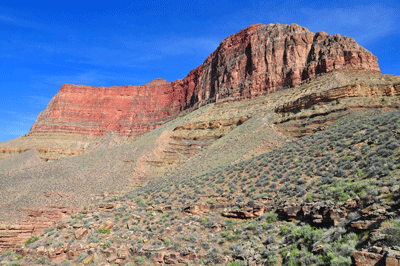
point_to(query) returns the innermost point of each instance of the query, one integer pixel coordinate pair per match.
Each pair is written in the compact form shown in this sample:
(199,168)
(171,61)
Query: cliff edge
(257,60)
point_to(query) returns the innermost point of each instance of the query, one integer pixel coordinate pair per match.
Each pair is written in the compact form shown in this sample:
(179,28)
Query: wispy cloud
(365,23)
(19,116)
(6,19)
(92,77)
(23,23)
(15,124)
(184,45)
(16,132)
(37,101)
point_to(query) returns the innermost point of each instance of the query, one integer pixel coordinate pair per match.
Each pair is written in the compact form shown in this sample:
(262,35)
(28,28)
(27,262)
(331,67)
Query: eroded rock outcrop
(16,233)
(257,60)
(356,90)
(363,258)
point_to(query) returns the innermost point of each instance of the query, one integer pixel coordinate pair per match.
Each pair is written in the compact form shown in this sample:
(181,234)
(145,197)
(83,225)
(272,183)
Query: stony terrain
(320,199)
(282,148)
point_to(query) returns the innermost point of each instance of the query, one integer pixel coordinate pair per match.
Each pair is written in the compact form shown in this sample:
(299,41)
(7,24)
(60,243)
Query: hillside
(282,148)
(314,200)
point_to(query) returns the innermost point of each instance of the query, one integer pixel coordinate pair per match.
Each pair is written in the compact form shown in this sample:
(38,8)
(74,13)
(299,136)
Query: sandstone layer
(349,91)
(257,60)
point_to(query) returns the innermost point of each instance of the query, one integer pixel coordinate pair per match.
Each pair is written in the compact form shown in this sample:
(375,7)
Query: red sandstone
(257,60)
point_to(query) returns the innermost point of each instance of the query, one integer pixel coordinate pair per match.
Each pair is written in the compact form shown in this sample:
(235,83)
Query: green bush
(392,231)
(7,253)
(235,263)
(167,242)
(41,260)
(302,257)
(139,260)
(104,231)
(31,240)
(106,244)
(82,257)
(13,263)
(140,202)
(92,239)
(272,217)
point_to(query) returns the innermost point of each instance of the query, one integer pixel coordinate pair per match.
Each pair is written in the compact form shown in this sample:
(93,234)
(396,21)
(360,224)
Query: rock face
(97,110)
(257,60)
(363,258)
(359,90)
(13,234)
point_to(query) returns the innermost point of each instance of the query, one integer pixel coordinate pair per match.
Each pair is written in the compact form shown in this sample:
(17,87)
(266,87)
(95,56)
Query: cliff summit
(257,60)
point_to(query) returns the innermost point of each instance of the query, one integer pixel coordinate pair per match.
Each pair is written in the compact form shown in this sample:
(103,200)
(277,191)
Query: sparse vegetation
(104,230)
(252,206)
(31,240)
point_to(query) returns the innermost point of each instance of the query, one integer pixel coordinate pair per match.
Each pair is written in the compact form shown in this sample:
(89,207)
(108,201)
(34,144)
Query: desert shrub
(306,234)
(104,231)
(382,151)
(140,202)
(340,173)
(179,228)
(167,242)
(13,263)
(339,260)
(82,257)
(300,191)
(301,181)
(392,231)
(59,244)
(205,245)
(139,260)
(192,238)
(48,230)
(302,257)
(373,170)
(7,253)
(251,226)
(92,239)
(213,253)
(31,240)
(235,263)
(106,244)
(41,260)
(251,202)
(269,240)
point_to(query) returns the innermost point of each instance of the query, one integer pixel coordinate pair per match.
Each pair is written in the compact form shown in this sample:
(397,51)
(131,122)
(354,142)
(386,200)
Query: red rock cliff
(257,60)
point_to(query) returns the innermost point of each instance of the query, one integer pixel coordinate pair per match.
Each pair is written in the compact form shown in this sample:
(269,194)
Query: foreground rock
(363,258)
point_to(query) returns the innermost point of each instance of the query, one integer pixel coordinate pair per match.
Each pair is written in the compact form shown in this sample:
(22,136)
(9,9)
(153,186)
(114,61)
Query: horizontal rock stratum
(257,60)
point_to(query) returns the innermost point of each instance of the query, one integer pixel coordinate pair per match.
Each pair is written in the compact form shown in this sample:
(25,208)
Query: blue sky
(43,46)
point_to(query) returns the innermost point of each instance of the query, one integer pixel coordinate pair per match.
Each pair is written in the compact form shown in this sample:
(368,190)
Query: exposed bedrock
(257,60)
